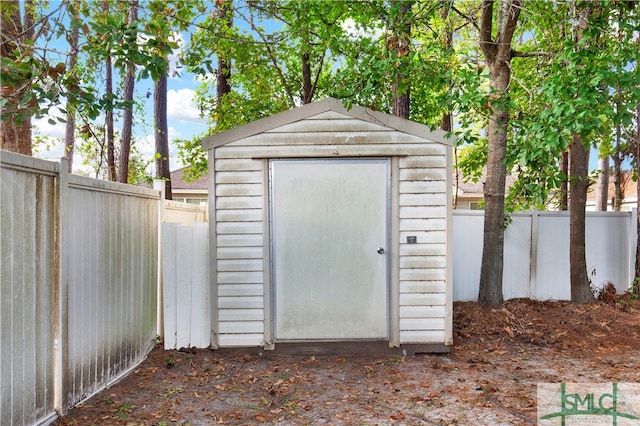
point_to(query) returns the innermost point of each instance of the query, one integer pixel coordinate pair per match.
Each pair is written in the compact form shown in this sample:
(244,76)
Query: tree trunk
(636,282)
(127,117)
(402,45)
(307,87)
(15,126)
(161,134)
(108,122)
(497,53)
(108,114)
(580,286)
(617,183)
(70,125)
(564,185)
(602,187)
(223,71)
(617,161)
(447,116)
(579,169)
(494,192)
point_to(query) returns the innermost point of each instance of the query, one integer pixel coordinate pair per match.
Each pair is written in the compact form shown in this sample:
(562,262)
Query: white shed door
(329,243)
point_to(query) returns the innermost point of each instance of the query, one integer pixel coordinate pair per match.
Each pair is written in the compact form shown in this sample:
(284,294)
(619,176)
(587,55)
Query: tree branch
(486,21)
(518,54)
(504,43)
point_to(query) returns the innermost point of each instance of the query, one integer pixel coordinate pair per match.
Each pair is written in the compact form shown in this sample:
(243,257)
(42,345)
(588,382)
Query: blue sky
(183,118)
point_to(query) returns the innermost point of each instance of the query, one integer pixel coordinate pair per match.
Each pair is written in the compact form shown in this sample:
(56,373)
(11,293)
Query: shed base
(346,348)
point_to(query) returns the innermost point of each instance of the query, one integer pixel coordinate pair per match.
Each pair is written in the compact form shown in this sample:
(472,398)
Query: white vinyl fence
(536,253)
(78,279)
(185,272)
(536,260)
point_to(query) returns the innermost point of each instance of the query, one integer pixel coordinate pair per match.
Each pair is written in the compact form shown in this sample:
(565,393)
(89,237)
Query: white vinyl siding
(239,218)
(423,265)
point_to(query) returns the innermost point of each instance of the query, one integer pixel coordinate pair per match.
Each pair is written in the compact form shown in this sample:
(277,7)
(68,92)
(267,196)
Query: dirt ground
(489,378)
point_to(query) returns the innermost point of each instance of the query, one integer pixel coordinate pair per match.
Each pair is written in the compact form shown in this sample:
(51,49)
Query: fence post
(533,256)
(61,324)
(159,184)
(633,242)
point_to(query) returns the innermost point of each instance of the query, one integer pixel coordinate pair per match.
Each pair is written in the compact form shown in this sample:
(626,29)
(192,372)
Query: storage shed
(331,226)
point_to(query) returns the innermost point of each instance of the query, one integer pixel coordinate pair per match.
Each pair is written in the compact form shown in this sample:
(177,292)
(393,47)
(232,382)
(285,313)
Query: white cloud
(355,30)
(147,147)
(175,67)
(42,126)
(182,107)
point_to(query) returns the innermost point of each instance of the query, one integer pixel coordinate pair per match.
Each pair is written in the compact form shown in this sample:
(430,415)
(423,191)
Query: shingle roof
(177,182)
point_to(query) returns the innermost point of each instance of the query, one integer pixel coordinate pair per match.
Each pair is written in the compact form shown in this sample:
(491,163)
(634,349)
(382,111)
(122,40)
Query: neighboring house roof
(177,182)
(628,185)
(476,187)
(316,108)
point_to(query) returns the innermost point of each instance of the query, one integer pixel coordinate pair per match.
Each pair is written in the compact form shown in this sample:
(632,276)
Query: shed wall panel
(235,176)
(360,138)
(240,340)
(332,151)
(423,286)
(321,125)
(422,336)
(414,311)
(241,315)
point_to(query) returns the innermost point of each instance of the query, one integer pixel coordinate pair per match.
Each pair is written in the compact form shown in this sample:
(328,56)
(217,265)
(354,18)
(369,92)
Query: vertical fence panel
(27,271)
(187,319)
(78,268)
(610,243)
(517,257)
(169,278)
(467,254)
(112,297)
(536,256)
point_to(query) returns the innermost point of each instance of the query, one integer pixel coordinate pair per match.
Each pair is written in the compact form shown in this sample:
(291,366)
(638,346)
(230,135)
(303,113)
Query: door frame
(392,266)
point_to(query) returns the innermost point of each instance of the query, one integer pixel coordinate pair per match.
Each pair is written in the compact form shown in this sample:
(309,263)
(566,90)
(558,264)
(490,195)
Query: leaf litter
(489,378)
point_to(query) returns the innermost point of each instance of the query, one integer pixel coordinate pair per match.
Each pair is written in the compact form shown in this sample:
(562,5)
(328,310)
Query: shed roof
(319,107)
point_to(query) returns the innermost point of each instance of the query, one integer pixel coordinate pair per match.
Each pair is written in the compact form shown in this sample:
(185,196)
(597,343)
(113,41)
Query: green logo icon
(589,403)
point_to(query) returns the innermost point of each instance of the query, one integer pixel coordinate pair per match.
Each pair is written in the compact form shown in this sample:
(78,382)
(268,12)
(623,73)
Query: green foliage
(354,52)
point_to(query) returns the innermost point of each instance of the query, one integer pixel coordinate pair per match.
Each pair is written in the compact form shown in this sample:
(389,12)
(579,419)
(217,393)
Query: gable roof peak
(315,108)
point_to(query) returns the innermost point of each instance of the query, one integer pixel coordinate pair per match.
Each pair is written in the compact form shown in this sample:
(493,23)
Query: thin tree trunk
(223,72)
(617,161)
(108,121)
(580,286)
(127,117)
(15,133)
(307,87)
(70,125)
(602,187)
(401,33)
(564,185)
(579,167)
(636,283)
(447,116)
(161,134)
(617,183)
(108,114)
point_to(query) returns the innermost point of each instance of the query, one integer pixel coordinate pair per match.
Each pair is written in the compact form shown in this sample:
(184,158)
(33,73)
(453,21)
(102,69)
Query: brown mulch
(490,377)
(610,326)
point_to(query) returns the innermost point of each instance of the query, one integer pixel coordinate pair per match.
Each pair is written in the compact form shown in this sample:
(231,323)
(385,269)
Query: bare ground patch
(490,377)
